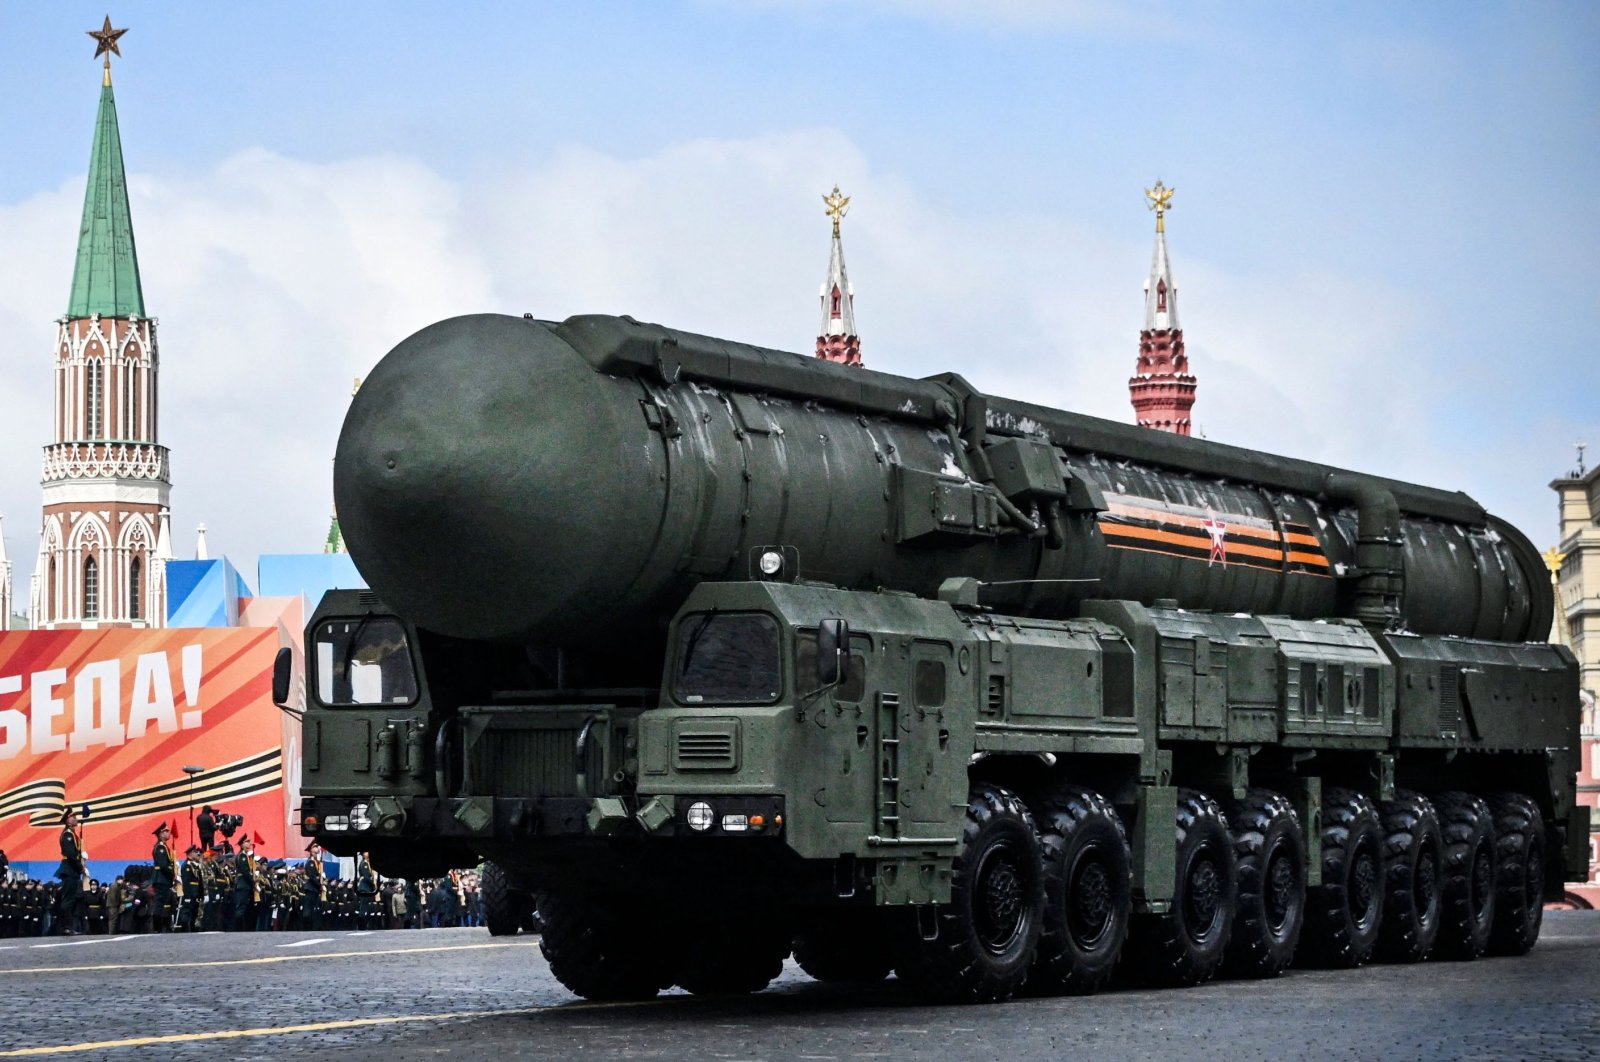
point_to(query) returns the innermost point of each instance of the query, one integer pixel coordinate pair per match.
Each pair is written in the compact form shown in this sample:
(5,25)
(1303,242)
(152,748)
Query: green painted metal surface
(105,277)
(565,516)
(508,478)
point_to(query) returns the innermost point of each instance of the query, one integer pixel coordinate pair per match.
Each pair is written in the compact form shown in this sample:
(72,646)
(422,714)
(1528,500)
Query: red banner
(110,719)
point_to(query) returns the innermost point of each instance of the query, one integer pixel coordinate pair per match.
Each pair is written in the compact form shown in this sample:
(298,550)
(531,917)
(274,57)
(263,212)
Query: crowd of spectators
(212,900)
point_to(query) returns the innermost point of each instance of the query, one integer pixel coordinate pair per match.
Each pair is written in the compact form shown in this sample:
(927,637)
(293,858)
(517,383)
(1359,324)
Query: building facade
(1577,571)
(104,540)
(1162,388)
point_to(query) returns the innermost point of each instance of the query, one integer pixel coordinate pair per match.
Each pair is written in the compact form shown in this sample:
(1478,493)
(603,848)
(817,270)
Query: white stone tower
(106,479)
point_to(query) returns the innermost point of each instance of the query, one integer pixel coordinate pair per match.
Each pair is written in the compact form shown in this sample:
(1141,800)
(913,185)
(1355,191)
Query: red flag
(257,838)
(174,827)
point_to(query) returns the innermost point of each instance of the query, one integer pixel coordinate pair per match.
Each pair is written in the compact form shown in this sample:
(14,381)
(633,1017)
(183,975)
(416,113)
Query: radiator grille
(707,747)
(531,762)
(1449,702)
(997,694)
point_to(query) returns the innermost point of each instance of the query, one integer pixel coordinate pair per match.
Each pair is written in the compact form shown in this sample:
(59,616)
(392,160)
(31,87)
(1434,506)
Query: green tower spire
(105,280)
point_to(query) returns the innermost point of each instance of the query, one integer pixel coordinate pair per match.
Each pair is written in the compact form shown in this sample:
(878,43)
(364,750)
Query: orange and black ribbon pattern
(1215,538)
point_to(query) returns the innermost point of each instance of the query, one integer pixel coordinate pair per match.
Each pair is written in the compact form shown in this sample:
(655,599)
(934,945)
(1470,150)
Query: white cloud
(278,280)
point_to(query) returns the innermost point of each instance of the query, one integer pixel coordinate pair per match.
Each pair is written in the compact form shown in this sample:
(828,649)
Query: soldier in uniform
(193,890)
(71,873)
(95,902)
(316,887)
(36,907)
(164,879)
(8,909)
(116,896)
(366,891)
(246,889)
(456,901)
(266,895)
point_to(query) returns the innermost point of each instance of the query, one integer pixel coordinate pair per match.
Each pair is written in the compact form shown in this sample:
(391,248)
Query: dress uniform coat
(70,873)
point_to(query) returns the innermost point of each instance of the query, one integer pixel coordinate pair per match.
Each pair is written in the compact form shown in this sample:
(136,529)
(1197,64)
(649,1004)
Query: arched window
(135,569)
(91,589)
(135,401)
(836,301)
(96,396)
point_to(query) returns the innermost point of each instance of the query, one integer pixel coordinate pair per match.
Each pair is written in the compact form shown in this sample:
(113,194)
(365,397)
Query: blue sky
(1381,235)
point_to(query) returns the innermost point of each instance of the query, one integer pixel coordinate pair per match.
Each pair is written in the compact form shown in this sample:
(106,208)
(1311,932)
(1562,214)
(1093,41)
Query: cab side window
(928,684)
(854,686)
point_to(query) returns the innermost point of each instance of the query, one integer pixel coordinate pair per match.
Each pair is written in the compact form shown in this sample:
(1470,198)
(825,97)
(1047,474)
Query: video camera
(228,824)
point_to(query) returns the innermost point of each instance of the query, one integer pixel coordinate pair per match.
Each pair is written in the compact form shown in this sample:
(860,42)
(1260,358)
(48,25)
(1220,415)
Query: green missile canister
(518,480)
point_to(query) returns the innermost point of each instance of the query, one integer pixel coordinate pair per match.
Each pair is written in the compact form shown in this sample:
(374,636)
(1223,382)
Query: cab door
(932,766)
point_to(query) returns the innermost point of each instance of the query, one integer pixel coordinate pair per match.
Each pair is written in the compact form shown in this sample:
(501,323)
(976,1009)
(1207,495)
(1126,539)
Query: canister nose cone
(470,478)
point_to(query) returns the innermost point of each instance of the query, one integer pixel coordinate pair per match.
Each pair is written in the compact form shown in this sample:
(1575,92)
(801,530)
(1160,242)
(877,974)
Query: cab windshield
(364,661)
(727,658)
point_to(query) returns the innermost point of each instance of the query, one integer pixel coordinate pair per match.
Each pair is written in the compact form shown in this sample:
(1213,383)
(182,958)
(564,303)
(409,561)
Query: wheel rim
(1533,881)
(1482,881)
(1202,895)
(1280,895)
(1000,913)
(1425,882)
(1364,887)
(1089,909)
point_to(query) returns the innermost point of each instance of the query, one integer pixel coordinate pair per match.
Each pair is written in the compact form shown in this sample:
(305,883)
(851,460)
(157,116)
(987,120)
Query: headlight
(699,816)
(735,823)
(771,562)
(359,818)
(336,823)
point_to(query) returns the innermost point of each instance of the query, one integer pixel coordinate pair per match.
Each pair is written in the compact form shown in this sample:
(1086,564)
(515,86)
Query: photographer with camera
(206,825)
(227,825)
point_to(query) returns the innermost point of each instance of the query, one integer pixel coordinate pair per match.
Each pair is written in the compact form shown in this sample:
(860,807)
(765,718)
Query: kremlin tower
(838,340)
(104,539)
(5,586)
(1162,387)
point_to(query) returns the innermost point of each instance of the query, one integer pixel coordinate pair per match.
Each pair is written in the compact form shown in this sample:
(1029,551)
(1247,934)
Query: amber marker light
(757,821)
(309,821)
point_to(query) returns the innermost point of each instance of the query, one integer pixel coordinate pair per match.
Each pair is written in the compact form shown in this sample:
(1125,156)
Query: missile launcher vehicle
(724,653)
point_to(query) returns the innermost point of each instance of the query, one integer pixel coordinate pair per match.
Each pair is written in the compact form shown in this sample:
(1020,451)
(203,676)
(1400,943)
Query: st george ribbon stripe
(258,773)
(43,794)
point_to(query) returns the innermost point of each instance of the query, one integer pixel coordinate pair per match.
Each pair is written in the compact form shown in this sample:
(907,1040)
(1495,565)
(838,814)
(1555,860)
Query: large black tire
(1345,912)
(1186,946)
(1468,885)
(1271,910)
(844,946)
(1413,855)
(982,942)
(504,908)
(1088,892)
(1519,881)
(730,956)
(601,952)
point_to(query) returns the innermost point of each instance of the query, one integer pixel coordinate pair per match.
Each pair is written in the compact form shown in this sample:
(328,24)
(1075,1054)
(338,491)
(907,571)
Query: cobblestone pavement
(461,994)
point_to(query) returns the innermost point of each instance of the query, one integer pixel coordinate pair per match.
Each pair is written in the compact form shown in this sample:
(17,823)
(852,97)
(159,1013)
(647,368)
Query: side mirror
(833,647)
(282,668)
